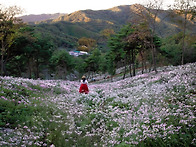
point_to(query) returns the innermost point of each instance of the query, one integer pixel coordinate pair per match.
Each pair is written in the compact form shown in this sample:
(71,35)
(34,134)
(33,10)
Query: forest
(26,51)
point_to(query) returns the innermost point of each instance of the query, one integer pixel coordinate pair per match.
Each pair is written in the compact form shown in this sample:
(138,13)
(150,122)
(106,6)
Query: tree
(9,24)
(103,64)
(120,48)
(93,62)
(150,17)
(107,33)
(25,42)
(110,57)
(185,8)
(42,51)
(139,40)
(62,63)
(20,56)
(131,40)
(171,48)
(33,49)
(79,66)
(86,44)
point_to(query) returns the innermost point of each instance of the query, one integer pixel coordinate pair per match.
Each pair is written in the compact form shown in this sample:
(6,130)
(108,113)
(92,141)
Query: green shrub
(11,115)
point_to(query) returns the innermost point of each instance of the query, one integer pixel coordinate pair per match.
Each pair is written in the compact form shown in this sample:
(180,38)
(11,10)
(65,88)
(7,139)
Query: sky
(68,6)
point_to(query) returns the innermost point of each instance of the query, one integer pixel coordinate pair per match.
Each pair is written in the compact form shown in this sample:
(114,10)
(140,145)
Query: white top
(85,82)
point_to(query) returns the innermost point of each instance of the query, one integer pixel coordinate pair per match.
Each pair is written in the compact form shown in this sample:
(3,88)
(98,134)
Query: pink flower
(3,98)
(25,127)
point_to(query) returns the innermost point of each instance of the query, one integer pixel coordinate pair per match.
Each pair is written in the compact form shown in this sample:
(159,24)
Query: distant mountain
(33,19)
(67,28)
(167,21)
(117,15)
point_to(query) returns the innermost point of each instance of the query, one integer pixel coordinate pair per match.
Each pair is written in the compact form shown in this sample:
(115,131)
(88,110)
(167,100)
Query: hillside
(146,110)
(90,23)
(167,21)
(64,33)
(33,19)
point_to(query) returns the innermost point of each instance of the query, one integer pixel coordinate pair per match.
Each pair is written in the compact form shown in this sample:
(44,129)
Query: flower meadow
(146,110)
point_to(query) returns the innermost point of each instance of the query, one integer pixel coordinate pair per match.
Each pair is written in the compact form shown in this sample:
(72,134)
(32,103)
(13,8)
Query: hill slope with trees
(122,37)
(94,22)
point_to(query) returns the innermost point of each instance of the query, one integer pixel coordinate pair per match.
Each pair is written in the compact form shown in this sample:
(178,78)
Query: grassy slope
(146,110)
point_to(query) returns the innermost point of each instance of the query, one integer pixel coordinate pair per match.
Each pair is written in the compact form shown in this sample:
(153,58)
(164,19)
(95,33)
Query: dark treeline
(26,52)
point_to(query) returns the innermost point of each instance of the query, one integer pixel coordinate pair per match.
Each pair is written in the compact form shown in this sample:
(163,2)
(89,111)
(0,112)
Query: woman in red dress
(84,86)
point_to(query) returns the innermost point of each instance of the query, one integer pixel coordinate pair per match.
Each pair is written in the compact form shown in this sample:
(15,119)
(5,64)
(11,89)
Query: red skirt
(84,89)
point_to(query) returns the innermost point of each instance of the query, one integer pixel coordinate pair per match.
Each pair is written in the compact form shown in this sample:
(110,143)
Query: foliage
(187,8)
(111,68)
(80,66)
(13,115)
(103,65)
(30,53)
(171,48)
(118,44)
(130,41)
(62,63)
(93,61)
(86,44)
(65,34)
(107,32)
(9,24)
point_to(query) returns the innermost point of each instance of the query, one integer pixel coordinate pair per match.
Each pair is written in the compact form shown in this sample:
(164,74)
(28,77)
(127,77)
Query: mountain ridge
(37,18)
(95,21)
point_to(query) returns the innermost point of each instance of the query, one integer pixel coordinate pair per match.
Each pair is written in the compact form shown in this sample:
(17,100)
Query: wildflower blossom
(136,108)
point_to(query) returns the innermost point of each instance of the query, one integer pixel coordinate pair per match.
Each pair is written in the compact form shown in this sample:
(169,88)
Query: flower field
(146,110)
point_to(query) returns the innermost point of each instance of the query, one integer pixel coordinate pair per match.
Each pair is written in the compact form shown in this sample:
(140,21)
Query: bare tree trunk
(2,58)
(153,50)
(130,68)
(125,62)
(37,69)
(154,58)
(2,64)
(20,73)
(142,62)
(150,66)
(183,39)
(145,66)
(92,75)
(133,61)
(153,46)
(29,68)
(111,78)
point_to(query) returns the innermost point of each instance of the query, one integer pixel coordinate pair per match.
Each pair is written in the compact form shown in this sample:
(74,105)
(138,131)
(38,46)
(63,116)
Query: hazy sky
(68,6)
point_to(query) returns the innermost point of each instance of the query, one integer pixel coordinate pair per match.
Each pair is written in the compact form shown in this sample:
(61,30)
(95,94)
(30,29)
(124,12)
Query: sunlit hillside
(146,110)
(69,27)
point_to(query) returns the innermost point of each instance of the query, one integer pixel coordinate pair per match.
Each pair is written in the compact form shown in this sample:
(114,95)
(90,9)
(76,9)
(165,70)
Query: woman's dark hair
(83,79)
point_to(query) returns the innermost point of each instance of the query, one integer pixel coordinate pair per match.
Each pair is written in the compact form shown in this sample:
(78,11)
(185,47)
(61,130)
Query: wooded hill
(68,28)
